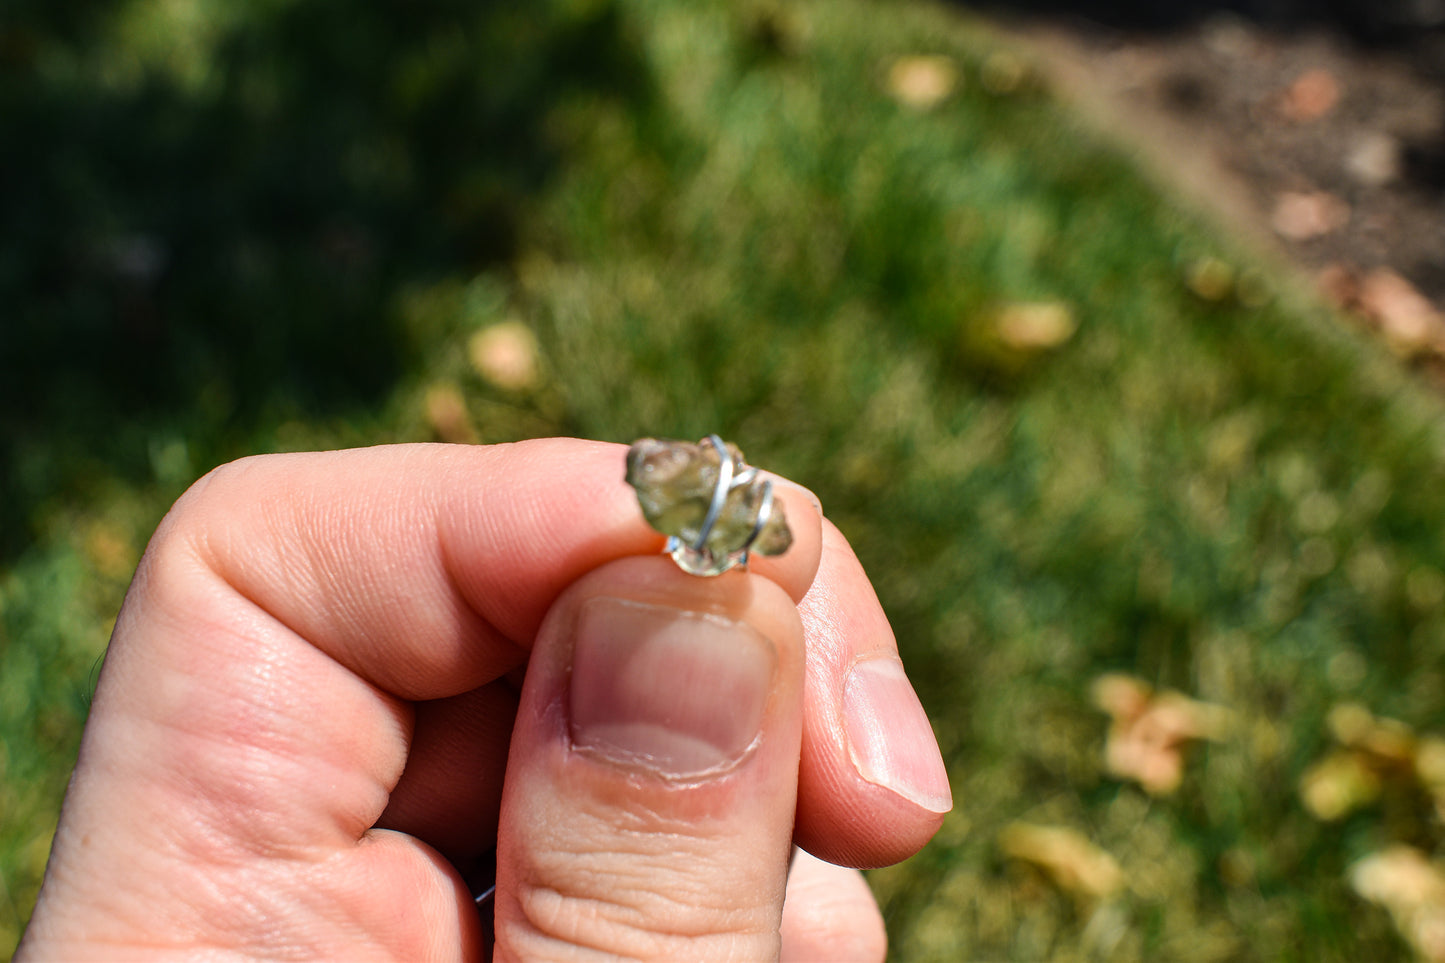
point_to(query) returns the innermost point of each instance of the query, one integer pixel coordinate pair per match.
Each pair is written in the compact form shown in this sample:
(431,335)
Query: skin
(340,682)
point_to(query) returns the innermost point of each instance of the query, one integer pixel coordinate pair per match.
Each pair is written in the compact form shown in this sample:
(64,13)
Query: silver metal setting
(716,510)
(695,558)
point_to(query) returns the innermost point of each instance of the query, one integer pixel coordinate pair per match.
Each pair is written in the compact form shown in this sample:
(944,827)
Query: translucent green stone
(675,483)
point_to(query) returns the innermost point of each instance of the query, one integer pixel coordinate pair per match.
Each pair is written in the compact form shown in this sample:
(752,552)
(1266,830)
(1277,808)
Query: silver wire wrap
(727,482)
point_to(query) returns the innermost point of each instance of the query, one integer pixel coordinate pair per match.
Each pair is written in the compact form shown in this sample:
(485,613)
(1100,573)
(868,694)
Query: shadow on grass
(180,253)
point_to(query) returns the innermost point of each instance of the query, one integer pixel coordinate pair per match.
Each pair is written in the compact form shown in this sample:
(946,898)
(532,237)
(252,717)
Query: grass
(281,234)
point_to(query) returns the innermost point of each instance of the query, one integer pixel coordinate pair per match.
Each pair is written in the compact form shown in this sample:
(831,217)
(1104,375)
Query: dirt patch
(1326,149)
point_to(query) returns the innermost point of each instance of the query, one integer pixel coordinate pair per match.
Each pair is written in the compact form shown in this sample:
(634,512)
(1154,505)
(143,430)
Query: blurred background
(1113,344)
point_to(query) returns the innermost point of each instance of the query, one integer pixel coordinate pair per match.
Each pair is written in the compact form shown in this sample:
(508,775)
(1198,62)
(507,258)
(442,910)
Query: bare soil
(1321,145)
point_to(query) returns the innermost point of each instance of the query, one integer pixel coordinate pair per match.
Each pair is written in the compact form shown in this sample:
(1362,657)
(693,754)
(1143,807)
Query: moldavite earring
(714,508)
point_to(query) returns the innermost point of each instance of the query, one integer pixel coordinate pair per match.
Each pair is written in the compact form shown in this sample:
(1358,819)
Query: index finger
(426,569)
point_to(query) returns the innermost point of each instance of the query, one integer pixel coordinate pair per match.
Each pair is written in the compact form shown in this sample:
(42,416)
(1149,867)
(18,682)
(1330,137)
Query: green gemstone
(675,482)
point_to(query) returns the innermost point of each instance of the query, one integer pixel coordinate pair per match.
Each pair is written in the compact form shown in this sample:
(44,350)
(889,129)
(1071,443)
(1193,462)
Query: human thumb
(648,806)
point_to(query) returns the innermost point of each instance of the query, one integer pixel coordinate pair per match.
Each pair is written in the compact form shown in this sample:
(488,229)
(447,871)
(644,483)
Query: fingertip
(797,568)
(872,829)
(440,920)
(803,491)
(872,786)
(830,914)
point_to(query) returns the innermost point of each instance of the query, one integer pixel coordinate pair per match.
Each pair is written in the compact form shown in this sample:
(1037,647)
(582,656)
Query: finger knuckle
(637,914)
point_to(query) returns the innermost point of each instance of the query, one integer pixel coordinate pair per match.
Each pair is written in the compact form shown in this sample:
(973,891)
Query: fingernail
(889,737)
(807,493)
(678,693)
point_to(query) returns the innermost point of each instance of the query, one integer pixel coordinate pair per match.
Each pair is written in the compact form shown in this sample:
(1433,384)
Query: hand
(315,687)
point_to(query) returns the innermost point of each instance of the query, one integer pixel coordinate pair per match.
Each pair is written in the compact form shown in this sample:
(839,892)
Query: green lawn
(238,227)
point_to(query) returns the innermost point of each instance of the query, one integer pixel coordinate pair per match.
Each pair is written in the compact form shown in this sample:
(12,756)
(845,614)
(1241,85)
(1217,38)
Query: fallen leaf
(505,355)
(446,413)
(1411,887)
(1338,785)
(1150,730)
(1389,741)
(1210,278)
(1409,322)
(1036,326)
(1312,95)
(1300,216)
(1400,875)
(1375,160)
(1374,752)
(922,81)
(1075,865)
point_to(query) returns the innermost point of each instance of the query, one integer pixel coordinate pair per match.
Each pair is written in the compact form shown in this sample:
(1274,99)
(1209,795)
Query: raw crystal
(675,482)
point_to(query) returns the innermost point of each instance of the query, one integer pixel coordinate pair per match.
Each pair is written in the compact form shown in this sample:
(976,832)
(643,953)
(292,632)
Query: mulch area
(1329,148)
